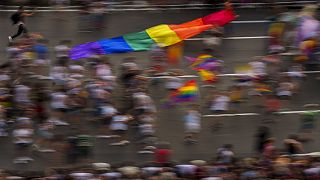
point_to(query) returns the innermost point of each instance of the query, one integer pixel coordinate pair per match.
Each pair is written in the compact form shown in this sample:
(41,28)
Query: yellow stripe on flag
(188,88)
(206,75)
(163,35)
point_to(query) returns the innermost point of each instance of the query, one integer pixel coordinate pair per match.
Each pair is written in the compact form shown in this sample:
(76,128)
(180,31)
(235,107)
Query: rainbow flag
(207,75)
(187,92)
(263,88)
(205,62)
(163,35)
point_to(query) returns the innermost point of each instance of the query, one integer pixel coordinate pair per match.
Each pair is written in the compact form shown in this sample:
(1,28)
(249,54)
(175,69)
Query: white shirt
(22,132)
(23,135)
(13,52)
(119,122)
(112,175)
(284,89)
(58,100)
(147,129)
(258,68)
(62,51)
(76,68)
(212,41)
(174,83)
(59,72)
(108,110)
(151,170)
(220,103)
(22,93)
(99,93)
(212,178)
(103,70)
(81,176)
(4,77)
(187,168)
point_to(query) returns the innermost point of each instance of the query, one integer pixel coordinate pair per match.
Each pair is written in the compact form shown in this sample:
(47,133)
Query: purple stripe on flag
(86,50)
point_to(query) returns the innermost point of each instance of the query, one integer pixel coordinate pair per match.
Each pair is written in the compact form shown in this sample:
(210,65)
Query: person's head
(21,8)
(228,146)
(270,140)
(294,137)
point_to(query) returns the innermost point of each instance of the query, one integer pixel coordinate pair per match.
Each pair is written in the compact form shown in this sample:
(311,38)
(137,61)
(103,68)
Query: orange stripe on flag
(191,28)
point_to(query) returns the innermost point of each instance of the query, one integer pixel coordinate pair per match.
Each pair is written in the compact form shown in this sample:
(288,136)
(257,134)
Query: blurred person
(236,97)
(103,70)
(297,75)
(107,111)
(41,49)
(262,135)
(225,154)
(173,83)
(58,107)
(147,136)
(42,56)
(258,67)
(308,122)
(163,154)
(150,171)
(45,137)
(285,91)
(142,103)
(293,145)
(186,170)
(113,175)
(308,32)
(13,50)
(158,63)
(23,136)
(81,175)
(269,149)
(62,52)
(97,13)
(220,103)
(192,124)
(84,146)
(128,70)
(59,74)
(3,123)
(22,94)
(272,104)
(213,40)
(18,18)
(119,126)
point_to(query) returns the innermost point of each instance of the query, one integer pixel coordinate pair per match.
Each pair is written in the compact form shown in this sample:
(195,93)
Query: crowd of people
(226,166)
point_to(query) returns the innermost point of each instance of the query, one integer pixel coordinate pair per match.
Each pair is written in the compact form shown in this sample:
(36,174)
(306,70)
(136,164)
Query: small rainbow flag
(185,93)
(207,75)
(263,88)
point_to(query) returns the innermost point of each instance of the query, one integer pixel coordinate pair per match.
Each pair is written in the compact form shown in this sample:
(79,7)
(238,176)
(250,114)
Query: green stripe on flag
(140,41)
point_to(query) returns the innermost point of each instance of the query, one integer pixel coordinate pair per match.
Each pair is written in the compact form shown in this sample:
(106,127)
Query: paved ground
(238,130)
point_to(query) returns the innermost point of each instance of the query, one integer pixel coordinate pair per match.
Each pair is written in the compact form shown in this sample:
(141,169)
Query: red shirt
(162,155)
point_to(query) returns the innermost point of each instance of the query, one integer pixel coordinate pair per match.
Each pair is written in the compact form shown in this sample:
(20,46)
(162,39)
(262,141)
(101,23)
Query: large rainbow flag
(162,35)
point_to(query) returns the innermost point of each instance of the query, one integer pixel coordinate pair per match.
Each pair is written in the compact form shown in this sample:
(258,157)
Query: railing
(162,3)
